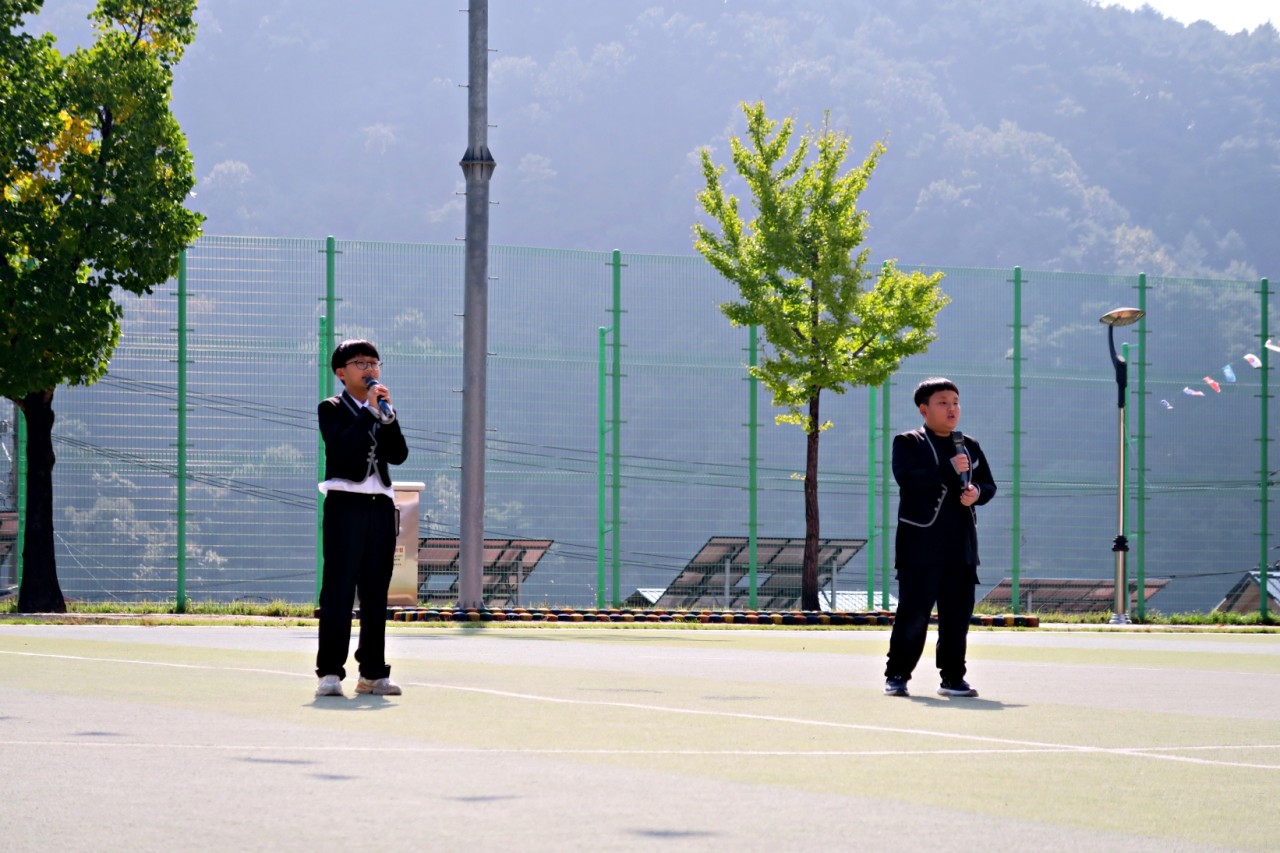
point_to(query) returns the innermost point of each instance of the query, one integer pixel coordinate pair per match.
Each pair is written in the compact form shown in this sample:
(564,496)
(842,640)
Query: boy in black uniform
(942,475)
(361,438)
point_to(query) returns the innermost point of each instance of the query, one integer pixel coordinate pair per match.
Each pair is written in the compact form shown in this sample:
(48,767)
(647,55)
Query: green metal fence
(623,428)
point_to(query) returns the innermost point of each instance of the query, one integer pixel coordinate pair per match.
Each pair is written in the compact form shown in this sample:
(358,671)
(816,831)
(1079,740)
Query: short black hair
(349,349)
(931,386)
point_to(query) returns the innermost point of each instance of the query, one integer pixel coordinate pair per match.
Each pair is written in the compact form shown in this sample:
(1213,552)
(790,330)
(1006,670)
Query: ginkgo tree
(828,322)
(95,174)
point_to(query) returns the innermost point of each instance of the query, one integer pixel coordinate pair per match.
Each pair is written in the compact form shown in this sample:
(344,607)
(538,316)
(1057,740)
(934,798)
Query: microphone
(957,438)
(372,383)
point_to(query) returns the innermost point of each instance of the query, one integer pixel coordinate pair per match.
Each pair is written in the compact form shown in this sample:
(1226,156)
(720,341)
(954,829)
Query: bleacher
(718,576)
(507,563)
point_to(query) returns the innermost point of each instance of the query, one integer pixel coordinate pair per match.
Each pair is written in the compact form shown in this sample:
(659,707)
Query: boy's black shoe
(959,687)
(895,686)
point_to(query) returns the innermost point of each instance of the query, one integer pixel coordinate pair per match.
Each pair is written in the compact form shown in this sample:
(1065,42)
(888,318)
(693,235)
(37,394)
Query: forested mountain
(1055,134)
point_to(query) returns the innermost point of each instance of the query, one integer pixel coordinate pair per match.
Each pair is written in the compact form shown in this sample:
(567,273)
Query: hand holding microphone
(968,492)
(961,460)
(383,397)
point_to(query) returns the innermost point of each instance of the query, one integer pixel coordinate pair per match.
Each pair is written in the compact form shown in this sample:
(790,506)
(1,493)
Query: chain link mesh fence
(256,362)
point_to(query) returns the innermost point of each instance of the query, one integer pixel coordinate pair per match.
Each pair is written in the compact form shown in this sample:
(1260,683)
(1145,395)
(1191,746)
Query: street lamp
(1113,318)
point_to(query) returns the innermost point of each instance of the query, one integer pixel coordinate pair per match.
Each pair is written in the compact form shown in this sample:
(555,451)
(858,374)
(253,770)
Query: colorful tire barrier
(788,618)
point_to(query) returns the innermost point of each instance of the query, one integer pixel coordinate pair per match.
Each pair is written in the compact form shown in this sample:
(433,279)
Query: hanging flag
(1166,404)
(1208,380)
(1272,345)
(1229,373)
(1191,392)
(1253,360)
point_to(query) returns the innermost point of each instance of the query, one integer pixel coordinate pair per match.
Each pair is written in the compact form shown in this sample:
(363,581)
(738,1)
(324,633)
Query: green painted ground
(604,738)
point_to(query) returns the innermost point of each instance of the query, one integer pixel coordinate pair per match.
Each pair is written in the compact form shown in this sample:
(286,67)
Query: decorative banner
(1228,374)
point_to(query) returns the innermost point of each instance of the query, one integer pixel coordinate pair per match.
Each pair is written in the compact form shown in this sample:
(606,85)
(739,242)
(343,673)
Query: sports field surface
(200,737)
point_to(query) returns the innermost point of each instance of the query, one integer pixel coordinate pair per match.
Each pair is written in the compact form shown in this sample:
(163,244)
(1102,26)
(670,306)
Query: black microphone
(957,438)
(372,383)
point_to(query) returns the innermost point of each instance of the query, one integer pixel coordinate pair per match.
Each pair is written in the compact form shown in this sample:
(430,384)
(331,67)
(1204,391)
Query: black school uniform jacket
(934,528)
(351,442)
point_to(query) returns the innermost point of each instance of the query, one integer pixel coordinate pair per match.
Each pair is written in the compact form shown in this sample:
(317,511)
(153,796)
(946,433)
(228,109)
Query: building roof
(1244,598)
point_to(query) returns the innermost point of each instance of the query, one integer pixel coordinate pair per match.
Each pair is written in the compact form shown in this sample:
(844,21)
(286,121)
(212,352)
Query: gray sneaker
(378,686)
(330,685)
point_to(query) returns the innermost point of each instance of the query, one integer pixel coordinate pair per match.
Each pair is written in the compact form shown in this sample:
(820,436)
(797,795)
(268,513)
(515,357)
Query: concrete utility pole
(477,166)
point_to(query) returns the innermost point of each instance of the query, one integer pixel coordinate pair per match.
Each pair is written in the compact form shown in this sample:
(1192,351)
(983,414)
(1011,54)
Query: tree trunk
(40,592)
(809,574)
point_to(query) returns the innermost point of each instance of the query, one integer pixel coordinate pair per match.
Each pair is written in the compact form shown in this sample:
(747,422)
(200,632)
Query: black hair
(348,350)
(931,386)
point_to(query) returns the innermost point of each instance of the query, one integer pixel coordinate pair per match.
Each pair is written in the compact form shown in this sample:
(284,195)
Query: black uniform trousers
(951,588)
(359,554)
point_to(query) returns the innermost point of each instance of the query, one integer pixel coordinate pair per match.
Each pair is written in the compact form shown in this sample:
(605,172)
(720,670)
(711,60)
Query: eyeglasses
(362,364)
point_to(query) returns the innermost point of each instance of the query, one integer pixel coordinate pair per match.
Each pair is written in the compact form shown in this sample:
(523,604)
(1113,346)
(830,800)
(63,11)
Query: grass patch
(1151,617)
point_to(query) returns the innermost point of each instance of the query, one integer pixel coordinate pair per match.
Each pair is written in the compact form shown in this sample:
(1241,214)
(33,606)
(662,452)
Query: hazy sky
(1229,15)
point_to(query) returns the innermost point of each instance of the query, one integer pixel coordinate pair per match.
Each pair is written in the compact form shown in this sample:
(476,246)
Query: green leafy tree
(95,172)
(803,280)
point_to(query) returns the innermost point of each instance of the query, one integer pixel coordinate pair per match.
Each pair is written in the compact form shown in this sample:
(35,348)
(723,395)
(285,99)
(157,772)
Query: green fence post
(324,379)
(616,441)
(602,431)
(885,477)
(1015,487)
(1264,473)
(1140,439)
(181,524)
(328,328)
(20,462)
(753,463)
(871,498)
(330,311)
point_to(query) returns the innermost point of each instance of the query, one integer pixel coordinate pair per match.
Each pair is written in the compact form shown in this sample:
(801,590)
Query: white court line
(481,750)
(1018,745)
(1192,748)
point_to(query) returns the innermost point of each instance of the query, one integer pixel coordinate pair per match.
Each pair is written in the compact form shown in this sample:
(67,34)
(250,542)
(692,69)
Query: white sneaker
(378,686)
(330,685)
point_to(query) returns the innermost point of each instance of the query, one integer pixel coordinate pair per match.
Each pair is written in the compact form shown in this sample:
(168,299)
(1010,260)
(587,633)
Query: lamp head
(1122,317)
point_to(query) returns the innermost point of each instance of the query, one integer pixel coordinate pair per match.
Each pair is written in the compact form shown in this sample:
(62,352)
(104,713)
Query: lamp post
(1112,319)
